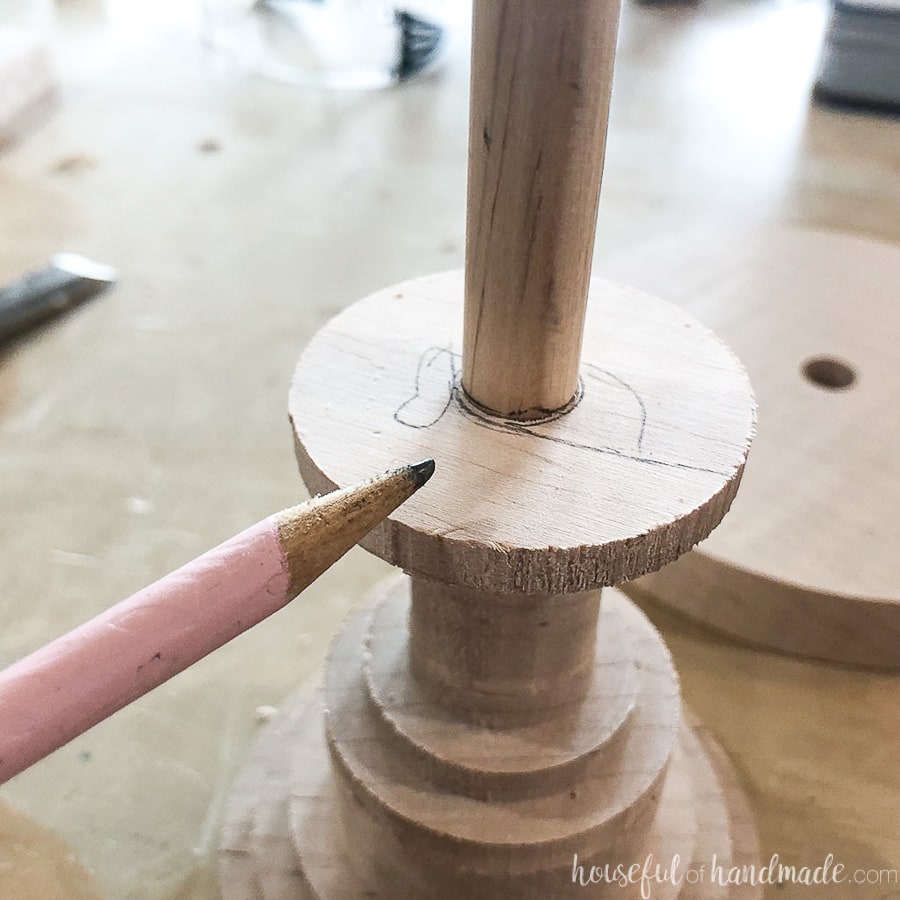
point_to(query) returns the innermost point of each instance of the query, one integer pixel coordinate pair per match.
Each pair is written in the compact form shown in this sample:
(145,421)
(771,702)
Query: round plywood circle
(643,467)
(807,561)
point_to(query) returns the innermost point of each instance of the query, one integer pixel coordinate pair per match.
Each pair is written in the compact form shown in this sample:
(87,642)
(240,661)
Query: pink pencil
(79,679)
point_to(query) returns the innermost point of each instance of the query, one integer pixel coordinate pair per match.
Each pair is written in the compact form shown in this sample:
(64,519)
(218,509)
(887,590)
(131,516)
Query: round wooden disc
(600,803)
(725,826)
(282,837)
(807,561)
(492,762)
(643,467)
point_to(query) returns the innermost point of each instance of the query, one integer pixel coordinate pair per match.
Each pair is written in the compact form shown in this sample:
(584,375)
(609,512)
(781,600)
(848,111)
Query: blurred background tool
(67,281)
(341,44)
(861,53)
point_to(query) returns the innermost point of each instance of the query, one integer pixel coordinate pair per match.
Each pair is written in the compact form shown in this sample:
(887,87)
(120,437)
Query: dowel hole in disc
(829,373)
(535,417)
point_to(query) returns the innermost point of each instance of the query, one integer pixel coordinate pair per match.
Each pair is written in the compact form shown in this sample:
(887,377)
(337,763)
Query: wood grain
(699,811)
(511,756)
(807,562)
(489,656)
(396,814)
(541,81)
(197,387)
(644,467)
(499,741)
(504,735)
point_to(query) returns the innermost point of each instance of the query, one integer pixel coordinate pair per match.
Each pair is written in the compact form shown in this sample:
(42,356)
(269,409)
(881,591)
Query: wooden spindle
(541,80)
(489,723)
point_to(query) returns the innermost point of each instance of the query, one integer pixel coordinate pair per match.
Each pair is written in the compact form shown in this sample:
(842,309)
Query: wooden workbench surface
(152,423)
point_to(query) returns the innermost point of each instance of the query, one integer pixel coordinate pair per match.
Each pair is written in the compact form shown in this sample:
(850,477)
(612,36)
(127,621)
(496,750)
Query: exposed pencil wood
(316,534)
(541,79)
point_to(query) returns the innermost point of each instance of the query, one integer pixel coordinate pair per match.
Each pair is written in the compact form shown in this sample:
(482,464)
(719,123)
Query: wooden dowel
(480,653)
(541,79)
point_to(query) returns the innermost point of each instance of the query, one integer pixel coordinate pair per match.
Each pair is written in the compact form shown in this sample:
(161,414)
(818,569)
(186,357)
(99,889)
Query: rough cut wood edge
(541,81)
(641,470)
(807,562)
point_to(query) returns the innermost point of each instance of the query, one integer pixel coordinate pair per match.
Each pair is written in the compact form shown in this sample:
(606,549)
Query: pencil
(76,681)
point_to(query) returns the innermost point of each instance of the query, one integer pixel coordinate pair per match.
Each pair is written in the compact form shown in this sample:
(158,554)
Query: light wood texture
(697,813)
(807,562)
(539,760)
(541,81)
(499,741)
(486,654)
(517,753)
(644,467)
(502,605)
(598,806)
(173,386)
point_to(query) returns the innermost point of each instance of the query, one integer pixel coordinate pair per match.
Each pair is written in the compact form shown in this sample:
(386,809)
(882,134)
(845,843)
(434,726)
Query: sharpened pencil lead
(422,471)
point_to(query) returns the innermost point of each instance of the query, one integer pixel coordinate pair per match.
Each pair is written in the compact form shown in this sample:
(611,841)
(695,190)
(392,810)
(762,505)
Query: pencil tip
(421,471)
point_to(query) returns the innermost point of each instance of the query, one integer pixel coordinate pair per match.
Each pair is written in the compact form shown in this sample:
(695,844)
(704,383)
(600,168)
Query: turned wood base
(397,807)
(493,726)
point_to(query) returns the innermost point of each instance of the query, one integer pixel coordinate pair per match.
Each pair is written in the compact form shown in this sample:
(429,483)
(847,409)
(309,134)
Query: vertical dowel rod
(541,79)
(482,654)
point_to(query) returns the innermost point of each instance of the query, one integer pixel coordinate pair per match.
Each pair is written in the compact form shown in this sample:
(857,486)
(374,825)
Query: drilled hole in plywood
(829,373)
